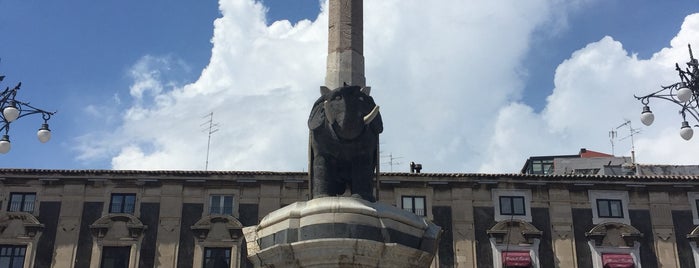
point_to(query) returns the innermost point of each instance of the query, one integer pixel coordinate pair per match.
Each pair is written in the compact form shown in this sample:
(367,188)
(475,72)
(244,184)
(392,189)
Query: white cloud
(146,76)
(447,76)
(593,94)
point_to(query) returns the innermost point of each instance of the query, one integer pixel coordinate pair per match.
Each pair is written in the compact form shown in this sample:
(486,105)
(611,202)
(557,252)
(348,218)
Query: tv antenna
(612,136)
(632,131)
(211,129)
(391,161)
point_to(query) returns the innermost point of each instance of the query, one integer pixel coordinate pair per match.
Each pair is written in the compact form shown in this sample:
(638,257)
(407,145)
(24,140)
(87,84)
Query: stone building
(114,218)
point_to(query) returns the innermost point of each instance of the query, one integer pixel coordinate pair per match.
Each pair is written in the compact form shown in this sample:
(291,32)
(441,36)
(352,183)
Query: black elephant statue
(344,132)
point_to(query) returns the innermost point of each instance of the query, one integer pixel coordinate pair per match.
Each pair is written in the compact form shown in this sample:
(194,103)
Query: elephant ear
(317,117)
(324,90)
(366,91)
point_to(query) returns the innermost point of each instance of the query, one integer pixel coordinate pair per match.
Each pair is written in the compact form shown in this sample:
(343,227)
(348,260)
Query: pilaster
(269,198)
(663,229)
(68,231)
(169,227)
(464,235)
(562,227)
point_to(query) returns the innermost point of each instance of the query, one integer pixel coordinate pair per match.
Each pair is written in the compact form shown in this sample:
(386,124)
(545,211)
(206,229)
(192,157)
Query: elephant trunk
(369,117)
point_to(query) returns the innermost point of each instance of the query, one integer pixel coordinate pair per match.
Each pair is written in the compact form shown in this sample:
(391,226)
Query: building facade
(111,218)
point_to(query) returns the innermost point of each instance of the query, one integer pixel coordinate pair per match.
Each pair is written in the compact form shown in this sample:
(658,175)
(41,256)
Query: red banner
(516,258)
(617,260)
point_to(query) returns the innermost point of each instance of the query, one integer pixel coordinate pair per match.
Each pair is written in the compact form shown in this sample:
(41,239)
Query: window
(22,202)
(609,208)
(586,171)
(542,166)
(693,198)
(221,204)
(414,204)
(115,257)
(12,256)
(123,203)
(217,257)
(512,205)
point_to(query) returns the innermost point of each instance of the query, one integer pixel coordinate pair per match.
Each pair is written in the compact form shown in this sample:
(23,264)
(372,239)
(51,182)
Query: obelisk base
(342,232)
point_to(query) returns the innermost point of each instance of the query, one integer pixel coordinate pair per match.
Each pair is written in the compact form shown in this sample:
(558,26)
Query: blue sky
(643,28)
(83,58)
(70,54)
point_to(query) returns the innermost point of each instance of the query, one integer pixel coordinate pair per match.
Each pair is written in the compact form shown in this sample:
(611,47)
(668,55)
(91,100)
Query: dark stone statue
(344,131)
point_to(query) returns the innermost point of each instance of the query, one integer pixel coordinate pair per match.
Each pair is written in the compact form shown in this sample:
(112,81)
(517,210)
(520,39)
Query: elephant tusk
(328,114)
(370,117)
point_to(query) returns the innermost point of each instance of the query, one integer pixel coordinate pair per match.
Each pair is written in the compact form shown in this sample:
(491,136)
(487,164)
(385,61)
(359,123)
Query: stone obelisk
(345,44)
(339,231)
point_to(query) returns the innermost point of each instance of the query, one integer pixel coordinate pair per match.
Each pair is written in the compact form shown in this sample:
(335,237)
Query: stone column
(345,44)
(663,229)
(169,227)
(562,227)
(269,198)
(464,234)
(68,226)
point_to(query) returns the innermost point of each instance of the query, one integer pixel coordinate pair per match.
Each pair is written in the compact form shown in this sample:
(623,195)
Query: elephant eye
(361,98)
(338,97)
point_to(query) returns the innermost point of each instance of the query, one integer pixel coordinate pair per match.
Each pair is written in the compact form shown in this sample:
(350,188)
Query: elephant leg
(362,179)
(320,177)
(324,176)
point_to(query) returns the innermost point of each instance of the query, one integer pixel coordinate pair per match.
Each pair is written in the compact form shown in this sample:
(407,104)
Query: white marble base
(342,232)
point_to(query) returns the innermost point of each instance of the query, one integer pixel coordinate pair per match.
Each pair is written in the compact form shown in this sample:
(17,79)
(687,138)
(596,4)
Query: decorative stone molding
(514,232)
(170,225)
(209,225)
(563,231)
(614,234)
(117,226)
(68,225)
(19,225)
(664,234)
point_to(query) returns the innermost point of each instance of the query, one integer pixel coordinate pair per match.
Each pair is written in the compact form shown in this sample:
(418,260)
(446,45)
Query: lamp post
(13,109)
(684,93)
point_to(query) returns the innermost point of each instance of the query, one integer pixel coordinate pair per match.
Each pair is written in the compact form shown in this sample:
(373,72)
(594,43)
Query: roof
(544,157)
(400,176)
(585,153)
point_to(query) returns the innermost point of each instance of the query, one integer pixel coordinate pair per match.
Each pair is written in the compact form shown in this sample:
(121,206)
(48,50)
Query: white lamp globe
(44,133)
(647,116)
(686,132)
(5,144)
(10,113)
(684,94)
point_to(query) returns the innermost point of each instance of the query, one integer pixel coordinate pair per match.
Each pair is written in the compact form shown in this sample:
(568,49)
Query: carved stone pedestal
(342,232)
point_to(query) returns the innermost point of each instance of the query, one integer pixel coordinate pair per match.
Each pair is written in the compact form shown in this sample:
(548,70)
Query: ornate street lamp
(13,109)
(684,93)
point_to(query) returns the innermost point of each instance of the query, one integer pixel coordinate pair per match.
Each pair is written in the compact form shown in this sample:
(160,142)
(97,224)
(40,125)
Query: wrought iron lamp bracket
(25,109)
(688,79)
